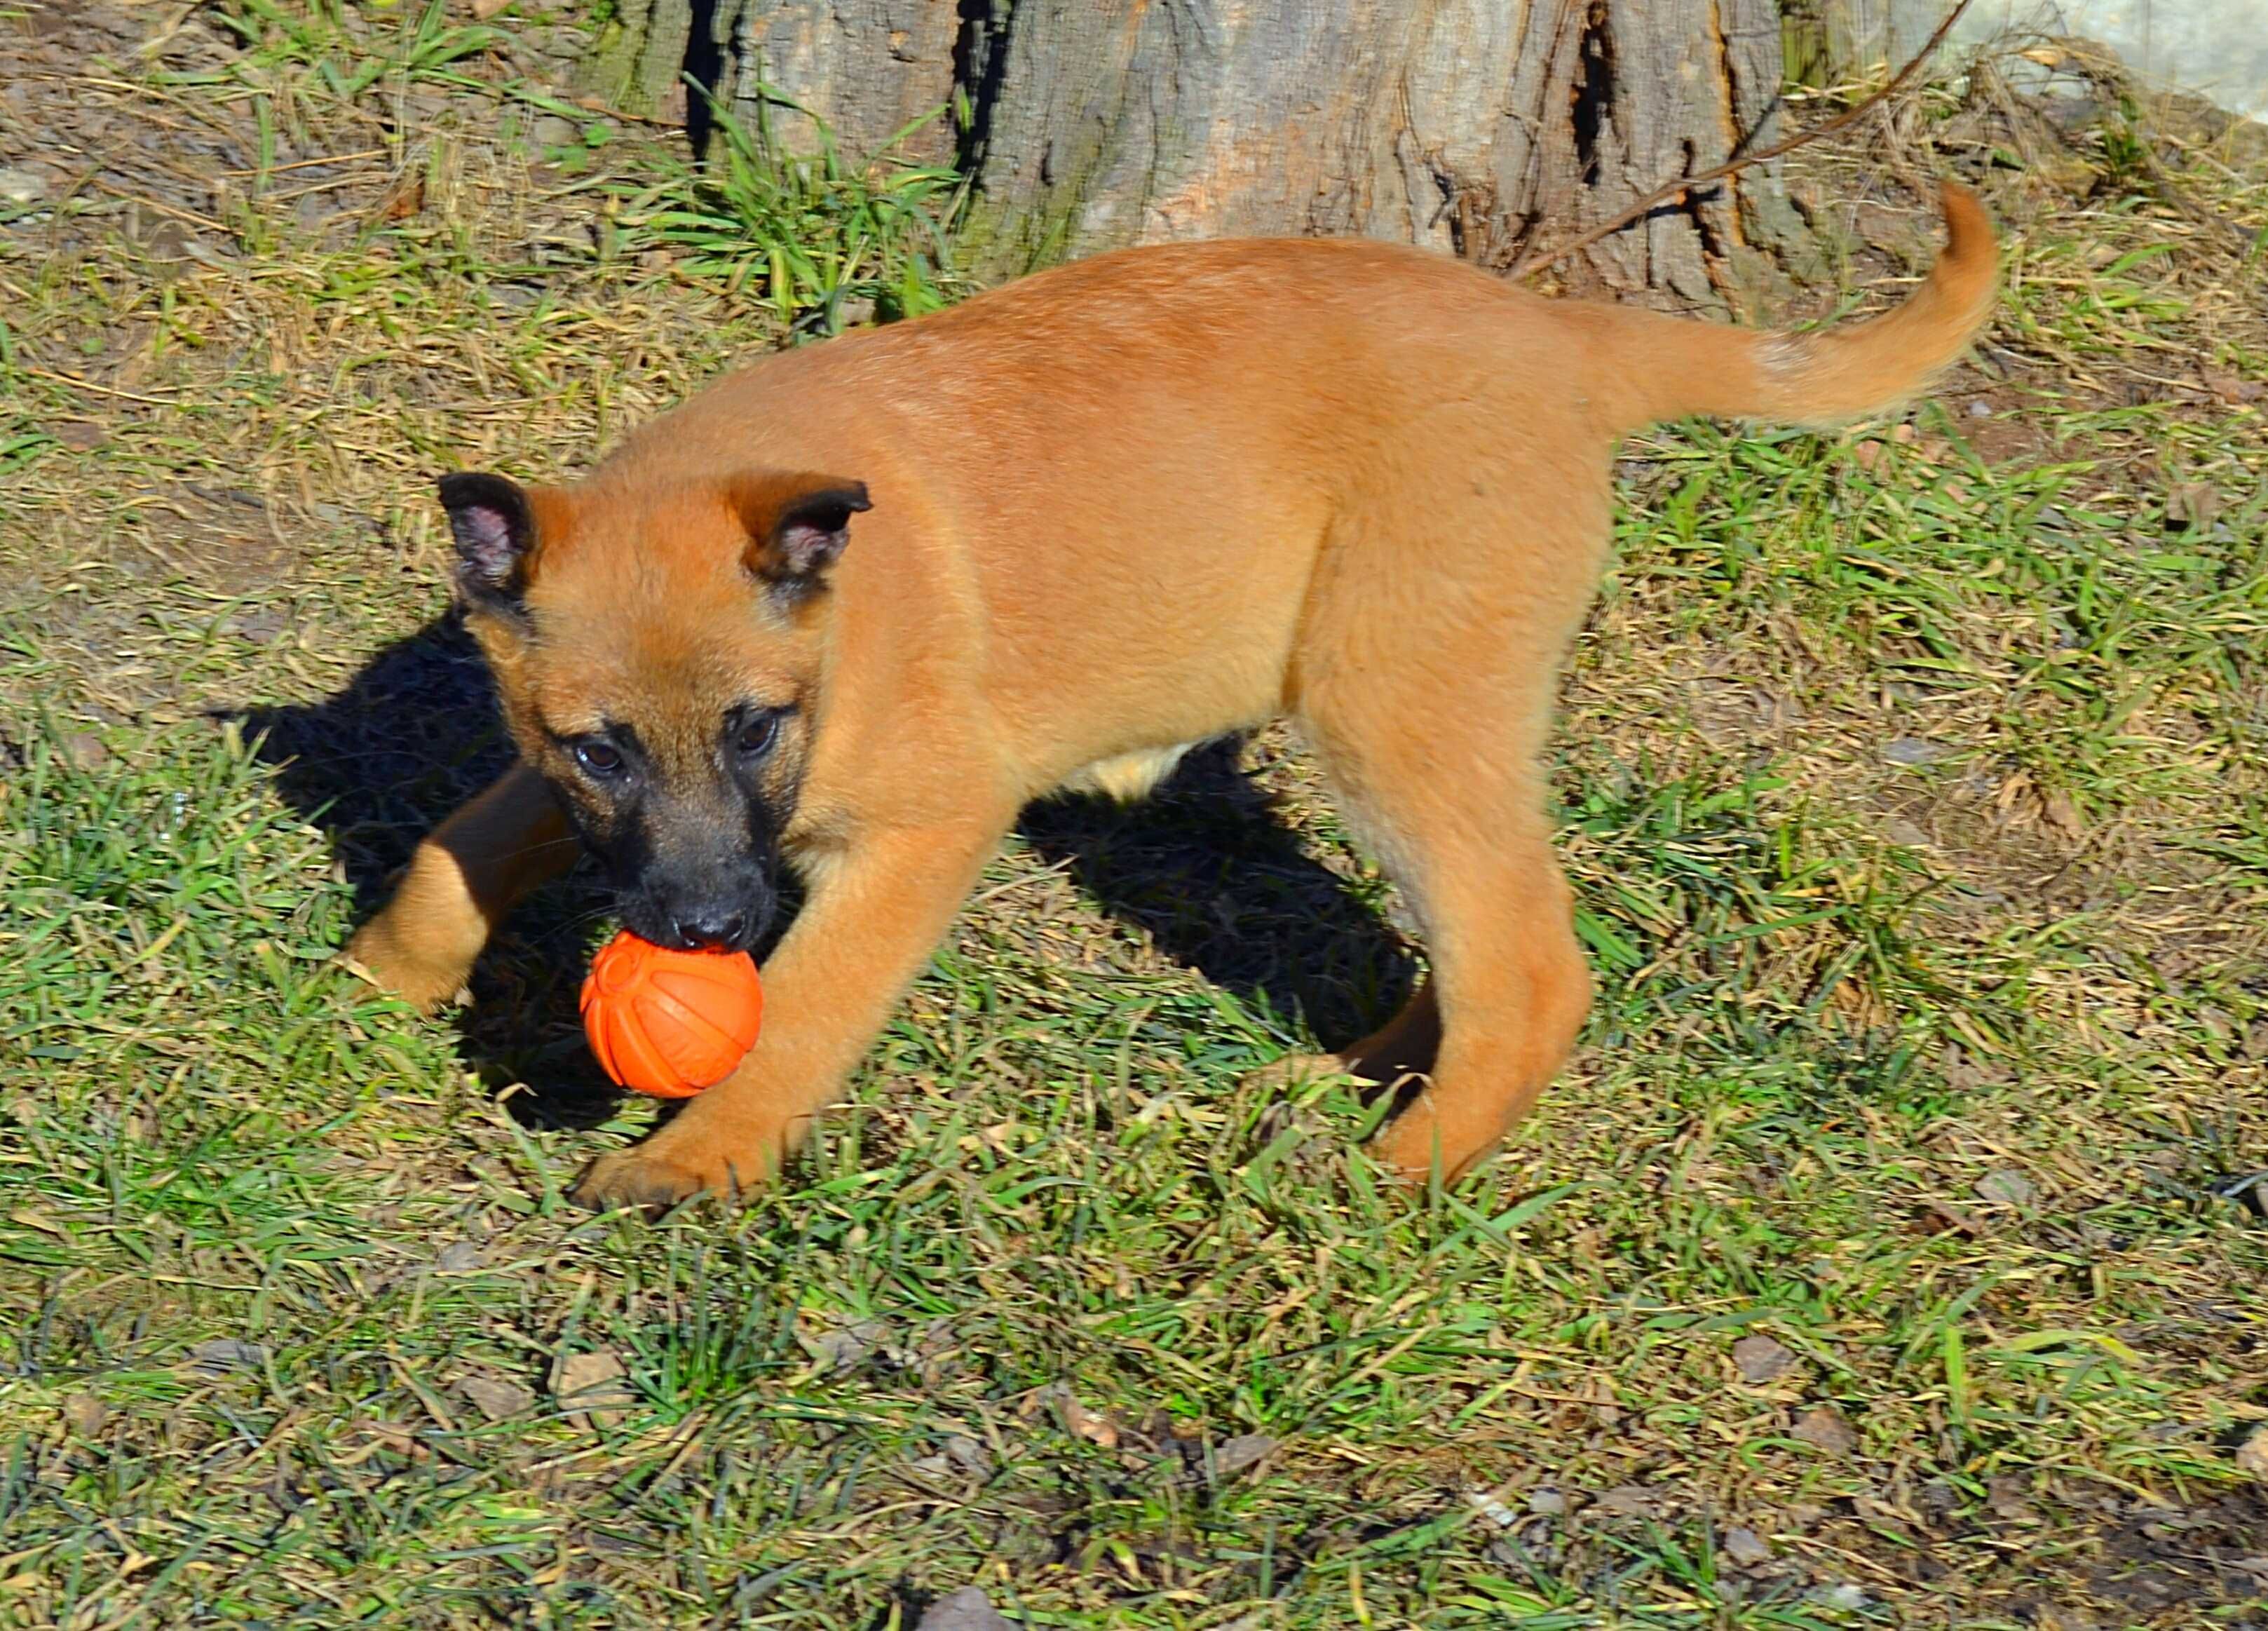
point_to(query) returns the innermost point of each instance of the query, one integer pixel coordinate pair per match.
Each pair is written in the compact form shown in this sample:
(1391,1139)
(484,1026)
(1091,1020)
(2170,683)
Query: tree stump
(1473,126)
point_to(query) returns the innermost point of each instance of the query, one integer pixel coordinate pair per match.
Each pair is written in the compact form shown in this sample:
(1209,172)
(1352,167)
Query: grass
(824,241)
(347,62)
(1913,791)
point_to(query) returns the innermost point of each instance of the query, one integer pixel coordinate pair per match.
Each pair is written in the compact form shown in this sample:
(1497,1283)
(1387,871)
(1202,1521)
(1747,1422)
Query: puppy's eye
(756,736)
(601,759)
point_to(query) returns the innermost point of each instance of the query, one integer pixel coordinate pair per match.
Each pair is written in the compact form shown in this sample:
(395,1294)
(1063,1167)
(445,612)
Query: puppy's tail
(1670,368)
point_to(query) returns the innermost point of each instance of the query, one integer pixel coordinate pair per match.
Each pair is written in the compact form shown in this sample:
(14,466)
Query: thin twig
(1526,264)
(302,164)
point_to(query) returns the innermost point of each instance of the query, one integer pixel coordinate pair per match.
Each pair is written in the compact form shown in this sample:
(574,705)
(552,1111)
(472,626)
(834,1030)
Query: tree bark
(1831,41)
(1470,125)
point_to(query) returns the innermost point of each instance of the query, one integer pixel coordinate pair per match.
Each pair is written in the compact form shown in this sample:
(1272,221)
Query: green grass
(349,51)
(824,241)
(1934,1065)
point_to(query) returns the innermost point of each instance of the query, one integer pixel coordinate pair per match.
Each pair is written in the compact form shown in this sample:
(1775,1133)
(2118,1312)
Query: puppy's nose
(713,927)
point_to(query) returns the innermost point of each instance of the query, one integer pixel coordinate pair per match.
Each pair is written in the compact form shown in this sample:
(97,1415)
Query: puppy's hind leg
(1509,987)
(1430,709)
(1513,985)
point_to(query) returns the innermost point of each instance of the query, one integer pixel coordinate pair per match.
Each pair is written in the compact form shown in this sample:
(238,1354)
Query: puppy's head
(658,650)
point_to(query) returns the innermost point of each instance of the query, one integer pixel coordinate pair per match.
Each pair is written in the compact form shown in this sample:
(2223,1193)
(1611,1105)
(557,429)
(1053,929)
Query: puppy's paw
(425,982)
(1403,1153)
(652,1180)
(1412,1147)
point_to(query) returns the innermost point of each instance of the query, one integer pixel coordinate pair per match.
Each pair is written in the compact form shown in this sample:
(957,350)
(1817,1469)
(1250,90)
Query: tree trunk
(1831,41)
(868,68)
(1471,125)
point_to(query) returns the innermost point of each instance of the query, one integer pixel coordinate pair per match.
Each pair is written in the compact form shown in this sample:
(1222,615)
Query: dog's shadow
(1204,868)
(377,766)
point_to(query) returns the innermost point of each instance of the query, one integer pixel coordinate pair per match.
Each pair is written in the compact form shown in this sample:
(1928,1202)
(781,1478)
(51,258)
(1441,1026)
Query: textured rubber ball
(668,1023)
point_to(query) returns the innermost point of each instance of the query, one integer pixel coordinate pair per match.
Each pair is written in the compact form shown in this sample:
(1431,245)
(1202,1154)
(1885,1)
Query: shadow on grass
(380,764)
(1209,872)
(1204,868)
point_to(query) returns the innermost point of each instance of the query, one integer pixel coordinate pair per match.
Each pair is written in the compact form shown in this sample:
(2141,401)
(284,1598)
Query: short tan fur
(852,606)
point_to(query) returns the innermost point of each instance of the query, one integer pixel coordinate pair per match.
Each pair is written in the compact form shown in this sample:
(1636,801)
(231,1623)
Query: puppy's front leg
(462,881)
(873,916)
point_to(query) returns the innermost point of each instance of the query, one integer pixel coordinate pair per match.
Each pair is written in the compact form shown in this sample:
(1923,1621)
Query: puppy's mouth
(729,924)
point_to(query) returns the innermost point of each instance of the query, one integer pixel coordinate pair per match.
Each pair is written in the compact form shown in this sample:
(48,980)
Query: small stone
(1760,1359)
(2005,1496)
(1091,1425)
(20,187)
(260,626)
(495,1400)
(2192,506)
(1845,1598)
(2005,1186)
(1547,1504)
(1626,1500)
(967,1609)
(844,1349)
(552,131)
(1745,1548)
(594,1388)
(1913,750)
(162,237)
(969,1455)
(460,1257)
(1247,1450)
(1485,1503)
(1980,410)
(81,435)
(962,1457)
(1823,1427)
(2252,1454)
(225,1354)
(2247,1190)
(86,751)
(84,1414)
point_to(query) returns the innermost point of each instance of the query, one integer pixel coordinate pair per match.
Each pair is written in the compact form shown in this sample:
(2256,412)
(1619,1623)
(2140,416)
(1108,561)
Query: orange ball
(670,1022)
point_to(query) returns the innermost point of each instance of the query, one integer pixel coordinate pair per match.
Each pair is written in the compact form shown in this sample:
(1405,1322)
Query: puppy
(846,610)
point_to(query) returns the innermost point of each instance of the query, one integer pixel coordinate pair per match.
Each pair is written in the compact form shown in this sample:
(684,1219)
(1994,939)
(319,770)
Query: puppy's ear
(798,523)
(496,525)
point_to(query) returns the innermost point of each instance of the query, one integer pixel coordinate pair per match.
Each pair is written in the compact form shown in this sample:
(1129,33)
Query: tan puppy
(851,607)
